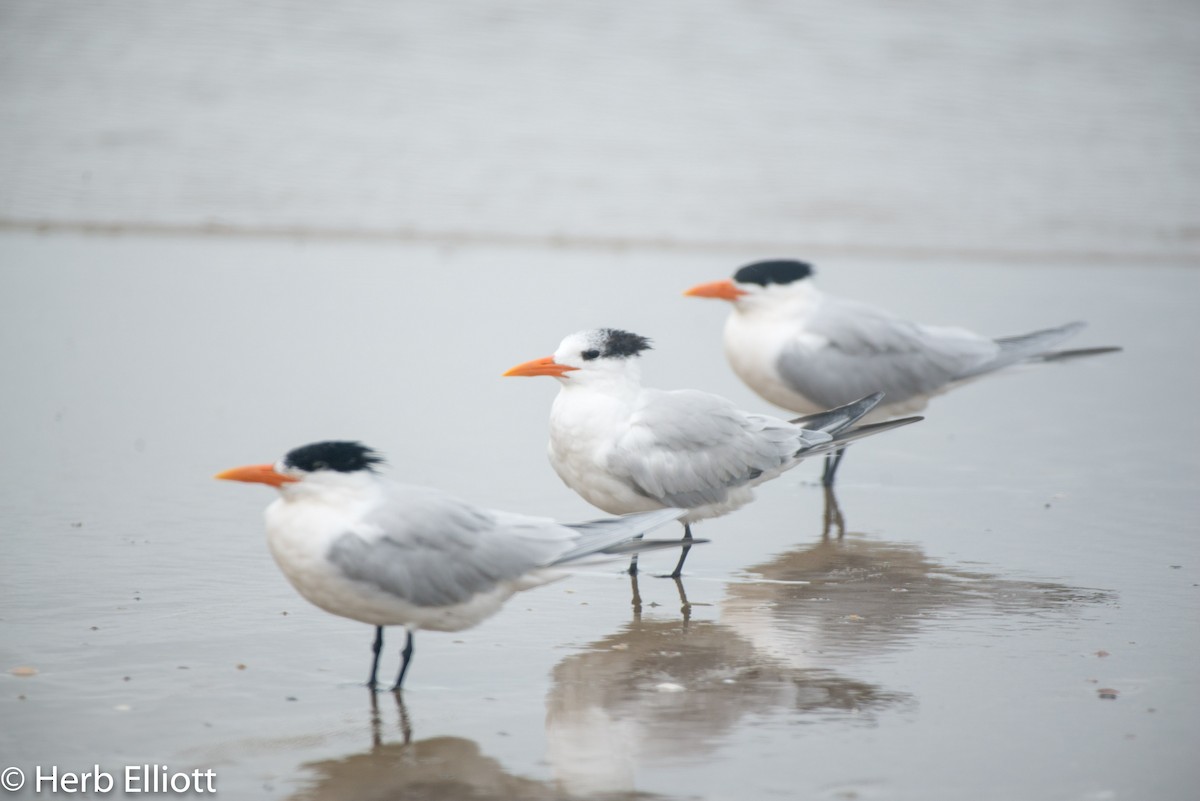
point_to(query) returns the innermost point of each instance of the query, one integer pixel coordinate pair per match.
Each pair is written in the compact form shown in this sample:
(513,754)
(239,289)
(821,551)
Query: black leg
(375,649)
(687,538)
(406,656)
(633,559)
(832,460)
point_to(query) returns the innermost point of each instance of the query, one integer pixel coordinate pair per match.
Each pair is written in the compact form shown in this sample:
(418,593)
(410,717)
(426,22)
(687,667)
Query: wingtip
(861,407)
(872,400)
(902,421)
(851,434)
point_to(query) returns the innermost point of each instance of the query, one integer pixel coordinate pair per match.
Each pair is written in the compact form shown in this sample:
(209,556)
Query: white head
(761,285)
(588,358)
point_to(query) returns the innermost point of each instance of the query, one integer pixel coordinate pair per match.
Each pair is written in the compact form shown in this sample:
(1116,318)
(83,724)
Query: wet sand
(1010,612)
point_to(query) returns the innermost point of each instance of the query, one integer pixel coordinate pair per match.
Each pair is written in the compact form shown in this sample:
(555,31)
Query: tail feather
(1035,345)
(616,535)
(1040,341)
(835,420)
(1077,353)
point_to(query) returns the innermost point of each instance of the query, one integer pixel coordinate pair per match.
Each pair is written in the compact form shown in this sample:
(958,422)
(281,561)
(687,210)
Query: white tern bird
(804,350)
(627,448)
(388,554)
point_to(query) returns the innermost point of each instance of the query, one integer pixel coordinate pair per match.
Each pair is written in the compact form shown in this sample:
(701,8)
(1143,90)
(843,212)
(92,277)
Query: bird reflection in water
(377,721)
(685,606)
(673,688)
(833,522)
(852,594)
(448,768)
(788,637)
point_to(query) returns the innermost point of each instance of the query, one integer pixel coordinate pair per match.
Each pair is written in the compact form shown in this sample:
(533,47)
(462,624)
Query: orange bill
(256,474)
(543,366)
(723,290)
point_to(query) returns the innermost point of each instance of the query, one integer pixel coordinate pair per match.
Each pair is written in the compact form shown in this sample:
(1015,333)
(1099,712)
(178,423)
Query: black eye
(588,355)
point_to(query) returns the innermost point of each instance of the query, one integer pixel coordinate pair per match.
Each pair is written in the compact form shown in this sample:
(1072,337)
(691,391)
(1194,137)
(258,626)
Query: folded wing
(688,448)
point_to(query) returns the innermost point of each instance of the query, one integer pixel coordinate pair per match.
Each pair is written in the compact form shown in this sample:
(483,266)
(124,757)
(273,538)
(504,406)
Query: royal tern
(804,350)
(627,448)
(388,554)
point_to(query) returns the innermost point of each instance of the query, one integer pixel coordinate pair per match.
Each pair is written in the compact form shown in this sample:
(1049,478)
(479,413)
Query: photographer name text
(131,780)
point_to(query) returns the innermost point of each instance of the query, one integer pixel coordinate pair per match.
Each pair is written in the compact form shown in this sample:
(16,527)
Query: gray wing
(688,448)
(434,550)
(849,350)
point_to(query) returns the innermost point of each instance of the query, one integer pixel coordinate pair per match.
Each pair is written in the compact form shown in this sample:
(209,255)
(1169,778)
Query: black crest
(781,271)
(342,456)
(622,343)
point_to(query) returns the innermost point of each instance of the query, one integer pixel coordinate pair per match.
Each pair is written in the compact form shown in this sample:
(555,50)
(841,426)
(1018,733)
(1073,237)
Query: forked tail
(1036,346)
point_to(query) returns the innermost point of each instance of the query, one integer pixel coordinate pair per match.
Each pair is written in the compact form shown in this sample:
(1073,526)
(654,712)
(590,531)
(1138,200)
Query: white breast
(584,428)
(753,343)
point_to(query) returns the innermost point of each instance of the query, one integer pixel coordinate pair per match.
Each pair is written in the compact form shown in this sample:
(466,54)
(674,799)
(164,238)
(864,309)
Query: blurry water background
(1014,127)
(228,229)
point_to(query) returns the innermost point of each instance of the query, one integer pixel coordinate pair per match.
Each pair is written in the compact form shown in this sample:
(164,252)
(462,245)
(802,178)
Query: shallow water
(1029,545)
